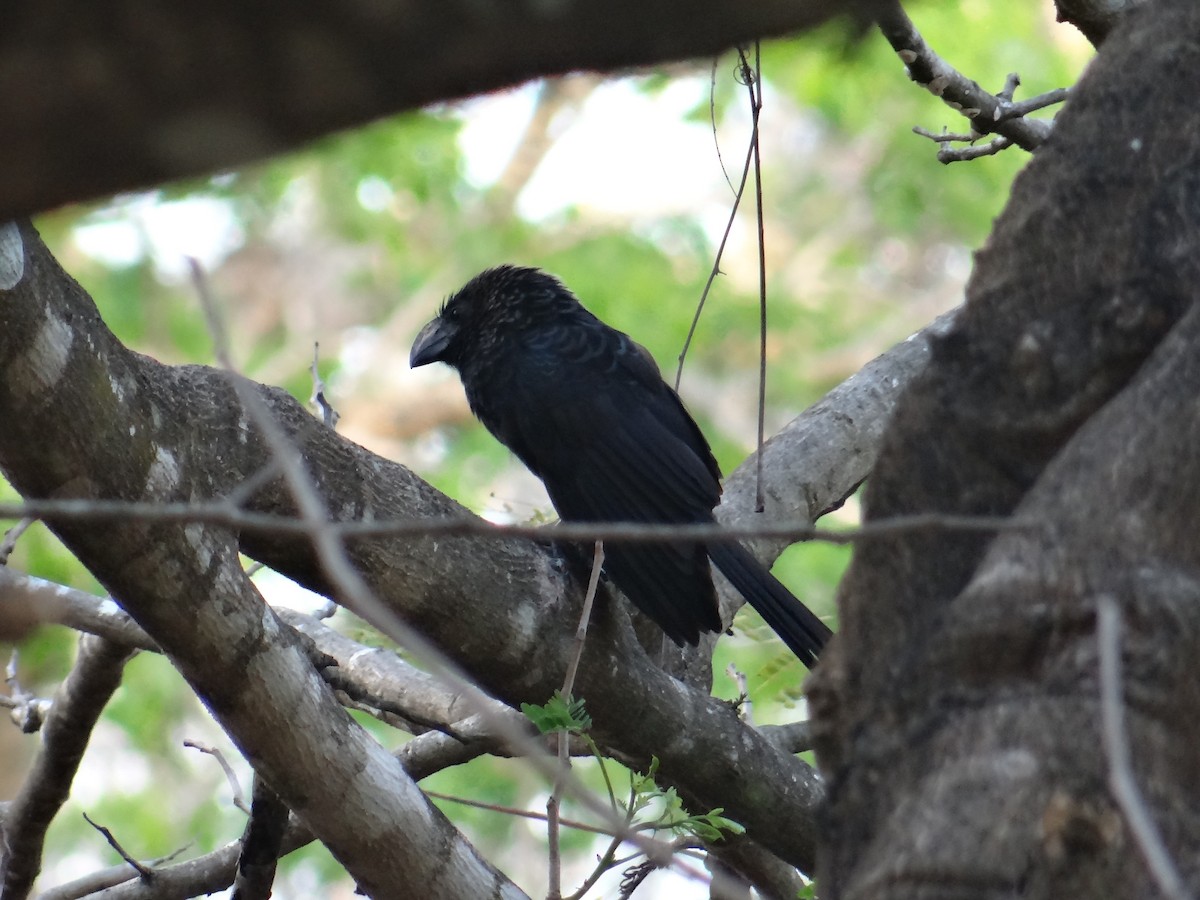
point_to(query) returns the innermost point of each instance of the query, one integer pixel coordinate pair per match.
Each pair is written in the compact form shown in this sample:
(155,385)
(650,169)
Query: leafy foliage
(559,714)
(655,809)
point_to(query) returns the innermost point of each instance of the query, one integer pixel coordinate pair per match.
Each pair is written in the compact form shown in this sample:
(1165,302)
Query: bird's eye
(451,313)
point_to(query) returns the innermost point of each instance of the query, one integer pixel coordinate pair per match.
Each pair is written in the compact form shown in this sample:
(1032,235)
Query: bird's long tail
(794,622)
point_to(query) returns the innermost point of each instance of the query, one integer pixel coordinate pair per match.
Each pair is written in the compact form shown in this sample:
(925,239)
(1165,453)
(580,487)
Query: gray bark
(959,713)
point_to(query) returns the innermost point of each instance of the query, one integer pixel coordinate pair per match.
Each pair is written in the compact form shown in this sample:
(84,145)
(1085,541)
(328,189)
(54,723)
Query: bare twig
(329,415)
(1121,780)
(221,513)
(943,136)
(239,799)
(554,859)
(10,539)
(746,706)
(144,873)
(28,710)
(584,617)
(68,727)
(987,112)
(518,813)
(975,151)
(712,121)
(716,266)
(753,78)
(553,854)
(1015,109)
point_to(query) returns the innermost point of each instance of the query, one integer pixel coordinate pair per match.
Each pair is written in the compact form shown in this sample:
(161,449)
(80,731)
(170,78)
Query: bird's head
(503,303)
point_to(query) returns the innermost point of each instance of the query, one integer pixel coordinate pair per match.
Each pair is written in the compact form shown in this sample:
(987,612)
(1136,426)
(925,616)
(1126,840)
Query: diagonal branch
(68,376)
(68,728)
(988,113)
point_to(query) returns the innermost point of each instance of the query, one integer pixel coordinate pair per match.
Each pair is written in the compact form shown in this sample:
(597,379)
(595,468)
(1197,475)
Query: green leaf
(558,714)
(712,826)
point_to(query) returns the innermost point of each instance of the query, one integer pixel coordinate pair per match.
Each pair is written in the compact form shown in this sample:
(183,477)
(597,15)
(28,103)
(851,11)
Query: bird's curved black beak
(432,341)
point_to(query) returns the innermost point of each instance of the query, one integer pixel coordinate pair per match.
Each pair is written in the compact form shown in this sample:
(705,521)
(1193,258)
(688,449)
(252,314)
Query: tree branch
(65,734)
(66,375)
(119,99)
(987,112)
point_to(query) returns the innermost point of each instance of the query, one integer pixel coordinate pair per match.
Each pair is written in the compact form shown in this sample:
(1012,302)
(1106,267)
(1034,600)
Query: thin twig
(564,757)
(520,813)
(716,266)
(943,136)
(756,100)
(67,729)
(962,154)
(239,799)
(712,119)
(949,155)
(28,710)
(143,873)
(745,705)
(10,539)
(553,854)
(584,617)
(222,513)
(1018,108)
(603,864)
(986,112)
(1121,780)
(329,415)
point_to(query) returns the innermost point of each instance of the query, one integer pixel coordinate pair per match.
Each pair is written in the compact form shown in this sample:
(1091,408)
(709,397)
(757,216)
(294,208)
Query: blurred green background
(614,185)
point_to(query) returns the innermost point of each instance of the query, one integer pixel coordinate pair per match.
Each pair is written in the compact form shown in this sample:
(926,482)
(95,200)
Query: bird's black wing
(588,412)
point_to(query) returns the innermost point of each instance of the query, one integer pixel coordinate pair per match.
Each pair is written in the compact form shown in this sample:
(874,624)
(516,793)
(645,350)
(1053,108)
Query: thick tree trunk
(959,713)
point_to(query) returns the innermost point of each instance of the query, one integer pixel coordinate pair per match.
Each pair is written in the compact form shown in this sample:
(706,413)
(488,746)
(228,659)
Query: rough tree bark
(959,713)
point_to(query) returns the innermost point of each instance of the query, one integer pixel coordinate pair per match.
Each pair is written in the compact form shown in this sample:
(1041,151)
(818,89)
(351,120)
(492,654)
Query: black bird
(585,408)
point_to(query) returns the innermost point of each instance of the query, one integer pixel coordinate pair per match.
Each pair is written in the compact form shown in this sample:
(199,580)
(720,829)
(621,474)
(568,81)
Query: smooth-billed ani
(585,408)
